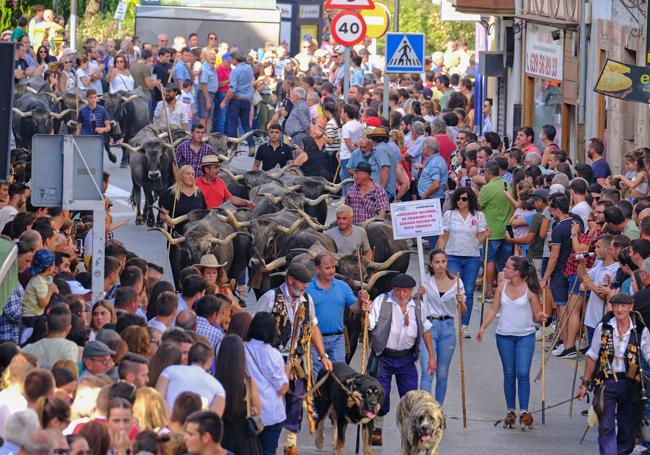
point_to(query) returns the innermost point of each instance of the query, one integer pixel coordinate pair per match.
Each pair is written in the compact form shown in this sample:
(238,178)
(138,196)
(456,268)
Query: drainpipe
(517,69)
(585,12)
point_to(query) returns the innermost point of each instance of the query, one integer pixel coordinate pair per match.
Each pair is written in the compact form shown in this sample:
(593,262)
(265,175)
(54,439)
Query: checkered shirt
(298,120)
(213,334)
(10,319)
(185,155)
(365,207)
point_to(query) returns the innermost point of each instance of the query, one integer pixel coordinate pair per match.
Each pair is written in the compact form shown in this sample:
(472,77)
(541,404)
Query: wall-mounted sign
(309,11)
(627,82)
(544,55)
(286,9)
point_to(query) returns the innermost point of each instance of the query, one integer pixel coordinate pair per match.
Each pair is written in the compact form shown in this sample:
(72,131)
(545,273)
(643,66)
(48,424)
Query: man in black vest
(397,325)
(612,363)
(294,313)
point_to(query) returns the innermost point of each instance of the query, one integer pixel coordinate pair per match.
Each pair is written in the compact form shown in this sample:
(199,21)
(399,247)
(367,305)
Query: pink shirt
(532,148)
(223,74)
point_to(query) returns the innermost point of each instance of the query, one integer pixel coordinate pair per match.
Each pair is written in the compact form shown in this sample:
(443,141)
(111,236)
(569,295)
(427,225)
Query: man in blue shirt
(599,164)
(181,69)
(93,118)
(357,77)
(331,296)
(209,84)
(433,176)
(380,138)
(238,100)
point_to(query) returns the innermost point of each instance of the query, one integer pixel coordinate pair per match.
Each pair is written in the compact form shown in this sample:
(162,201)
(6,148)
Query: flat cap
(96,349)
(299,272)
(402,280)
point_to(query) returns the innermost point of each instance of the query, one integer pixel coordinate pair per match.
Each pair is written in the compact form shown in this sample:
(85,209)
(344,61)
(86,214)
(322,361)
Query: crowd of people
(171,368)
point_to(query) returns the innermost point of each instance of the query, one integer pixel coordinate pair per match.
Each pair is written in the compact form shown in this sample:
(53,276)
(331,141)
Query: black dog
(358,404)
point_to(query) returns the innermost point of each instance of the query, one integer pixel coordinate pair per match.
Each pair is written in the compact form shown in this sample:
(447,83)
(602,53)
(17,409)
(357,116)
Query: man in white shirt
(18,193)
(176,379)
(397,324)
(351,134)
(166,310)
(580,207)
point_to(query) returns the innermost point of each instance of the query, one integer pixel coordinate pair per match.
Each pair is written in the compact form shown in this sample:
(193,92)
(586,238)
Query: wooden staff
(485,262)
(575,367)
(364,345)
(462,357)
(543,363)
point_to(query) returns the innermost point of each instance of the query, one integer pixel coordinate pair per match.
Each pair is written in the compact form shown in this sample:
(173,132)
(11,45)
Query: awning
(8,270)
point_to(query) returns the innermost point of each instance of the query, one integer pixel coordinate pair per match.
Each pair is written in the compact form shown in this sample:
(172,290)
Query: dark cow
(131,112)
(32,115)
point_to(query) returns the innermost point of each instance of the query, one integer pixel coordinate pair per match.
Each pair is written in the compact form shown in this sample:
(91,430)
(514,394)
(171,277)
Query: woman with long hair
(239,324)
(67,76)
(442,293)
(53,413)
(167,355)
(332,132)
(636,177)
(150,410)
(119,77)
(266,366)
(119,420)
(97,436)
(464,231)
(137,340)
(180,199)
(43,56)
(517,298)
(242,398)
(102,313)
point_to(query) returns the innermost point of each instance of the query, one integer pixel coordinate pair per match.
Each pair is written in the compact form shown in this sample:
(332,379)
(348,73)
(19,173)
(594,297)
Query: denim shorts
(560,289)
(204,113)
(499,251)
(574,285)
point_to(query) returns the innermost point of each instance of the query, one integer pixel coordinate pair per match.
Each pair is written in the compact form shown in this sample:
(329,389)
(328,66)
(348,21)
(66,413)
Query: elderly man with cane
(397,323)
(613,367)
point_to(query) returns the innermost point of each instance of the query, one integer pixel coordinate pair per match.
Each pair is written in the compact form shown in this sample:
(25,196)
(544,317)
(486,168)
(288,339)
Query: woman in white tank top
(119,78)
(517,297)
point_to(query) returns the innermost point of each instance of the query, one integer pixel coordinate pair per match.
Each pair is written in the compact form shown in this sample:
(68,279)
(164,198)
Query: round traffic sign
(348,28)
(377,20)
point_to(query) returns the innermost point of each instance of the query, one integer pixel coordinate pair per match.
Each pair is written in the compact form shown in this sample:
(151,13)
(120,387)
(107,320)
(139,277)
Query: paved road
(485,401)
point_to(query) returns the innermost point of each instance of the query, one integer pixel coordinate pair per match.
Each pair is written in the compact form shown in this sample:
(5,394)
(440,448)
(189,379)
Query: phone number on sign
(544,65)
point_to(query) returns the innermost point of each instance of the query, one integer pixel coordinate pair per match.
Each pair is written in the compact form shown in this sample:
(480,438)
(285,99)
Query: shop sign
(309,11)
(285,10)
(623,81)
(544,55)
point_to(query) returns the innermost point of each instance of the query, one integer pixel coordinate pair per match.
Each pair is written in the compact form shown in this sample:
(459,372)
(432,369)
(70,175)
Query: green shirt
(631,230)
(496,207)
(17,34)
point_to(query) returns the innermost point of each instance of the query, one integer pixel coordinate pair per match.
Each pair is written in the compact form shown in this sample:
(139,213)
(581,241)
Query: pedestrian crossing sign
(405,52)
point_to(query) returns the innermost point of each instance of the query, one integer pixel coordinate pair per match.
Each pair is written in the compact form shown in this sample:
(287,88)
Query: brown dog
(420,422)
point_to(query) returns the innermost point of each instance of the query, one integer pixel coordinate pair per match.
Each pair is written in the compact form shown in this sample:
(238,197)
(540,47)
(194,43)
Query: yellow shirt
(36,288)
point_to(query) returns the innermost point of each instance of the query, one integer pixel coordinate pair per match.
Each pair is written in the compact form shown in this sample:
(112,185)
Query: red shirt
(214,193)
(447,147)
(223,74)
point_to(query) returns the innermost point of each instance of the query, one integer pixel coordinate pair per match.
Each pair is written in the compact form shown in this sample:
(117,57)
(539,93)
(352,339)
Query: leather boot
(293,450)
(526,421)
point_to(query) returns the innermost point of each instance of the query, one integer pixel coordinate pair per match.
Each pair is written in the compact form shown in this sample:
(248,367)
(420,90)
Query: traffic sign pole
(346,75)
(386,78)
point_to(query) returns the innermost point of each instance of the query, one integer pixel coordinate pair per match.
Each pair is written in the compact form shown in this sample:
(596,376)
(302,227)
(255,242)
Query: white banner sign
(544,55)
(416,219)
(120,11)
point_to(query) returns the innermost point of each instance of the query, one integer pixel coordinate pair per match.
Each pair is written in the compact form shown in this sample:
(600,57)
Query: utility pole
(73,25)
(386,78)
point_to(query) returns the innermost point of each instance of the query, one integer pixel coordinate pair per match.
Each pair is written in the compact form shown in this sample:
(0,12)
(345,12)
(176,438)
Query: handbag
(257,98)
(254,422)
(373,367)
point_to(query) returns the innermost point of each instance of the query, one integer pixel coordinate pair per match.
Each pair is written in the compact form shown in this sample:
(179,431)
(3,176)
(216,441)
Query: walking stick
(575,367)
(364,344)
(462,359)
(485,261)
(543,363)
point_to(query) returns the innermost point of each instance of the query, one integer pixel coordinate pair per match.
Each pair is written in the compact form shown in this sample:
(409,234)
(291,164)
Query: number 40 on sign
(348,28)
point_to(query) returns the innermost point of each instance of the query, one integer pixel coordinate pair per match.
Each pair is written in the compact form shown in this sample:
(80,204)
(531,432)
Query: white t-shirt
(191,378)
(7,213)
(10,401)
(186,100)
(595,305)
(352,130)
(463,240)
(121,82)
(582,209)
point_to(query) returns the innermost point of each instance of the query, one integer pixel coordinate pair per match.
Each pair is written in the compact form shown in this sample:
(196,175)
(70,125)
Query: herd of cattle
(287,223)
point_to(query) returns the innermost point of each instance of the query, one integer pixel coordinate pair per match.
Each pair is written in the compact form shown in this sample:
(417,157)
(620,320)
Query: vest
(607,354)
(285,328)
(381,332)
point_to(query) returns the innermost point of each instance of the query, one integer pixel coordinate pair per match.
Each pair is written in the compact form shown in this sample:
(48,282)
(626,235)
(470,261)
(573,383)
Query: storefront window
(548,104)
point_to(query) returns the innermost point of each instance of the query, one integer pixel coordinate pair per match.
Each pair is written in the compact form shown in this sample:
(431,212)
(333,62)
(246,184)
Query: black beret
(299,272)
(402,280)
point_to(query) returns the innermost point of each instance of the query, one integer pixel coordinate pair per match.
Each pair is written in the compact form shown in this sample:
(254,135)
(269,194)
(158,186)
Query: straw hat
(210,260)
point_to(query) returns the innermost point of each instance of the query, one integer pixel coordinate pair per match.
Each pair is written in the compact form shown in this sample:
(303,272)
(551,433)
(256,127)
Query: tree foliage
(423,16)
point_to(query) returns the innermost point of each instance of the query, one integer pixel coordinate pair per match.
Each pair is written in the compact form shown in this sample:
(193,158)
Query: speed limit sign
(348,28)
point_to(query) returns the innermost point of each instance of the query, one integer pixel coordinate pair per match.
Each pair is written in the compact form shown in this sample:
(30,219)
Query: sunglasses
(463,198)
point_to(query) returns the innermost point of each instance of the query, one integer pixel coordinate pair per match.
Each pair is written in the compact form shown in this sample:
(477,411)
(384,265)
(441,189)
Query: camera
(584,255)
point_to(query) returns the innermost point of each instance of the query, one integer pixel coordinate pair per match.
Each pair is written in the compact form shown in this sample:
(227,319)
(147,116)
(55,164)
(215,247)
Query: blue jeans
(516,357)
(334,346)
(498,252)
(343,174)
(239,110)
(219,116)
(269,438)
(467,267)
(443,337)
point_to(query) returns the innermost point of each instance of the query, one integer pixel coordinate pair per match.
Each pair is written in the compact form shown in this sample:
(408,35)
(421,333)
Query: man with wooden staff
(612,365)
(397,323)
(294,313)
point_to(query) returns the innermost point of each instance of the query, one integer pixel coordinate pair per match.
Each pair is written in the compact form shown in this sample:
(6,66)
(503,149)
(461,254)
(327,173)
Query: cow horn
(241,139)
(275,264)
(179,140)
(293,187)
(312,224)
(21,114)
(375,276)
(318,200)
(355,283)
(163,135)
(128,99)
(229,238)
(336,188)
(177,220)
(224,158)
(272,198)
(61,114)
(312,254)
(31,90)
(167,145)
(235,222)
(291,229)
(170,239)
(369,221)
(53,96)
(71,124)
(131,148)
(278,274)
(388,262)
(229,173)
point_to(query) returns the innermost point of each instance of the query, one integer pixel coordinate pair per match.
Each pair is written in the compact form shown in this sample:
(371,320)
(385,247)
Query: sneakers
(466,332)
(569,353)
(558,349)
(526,421)
(376,437)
